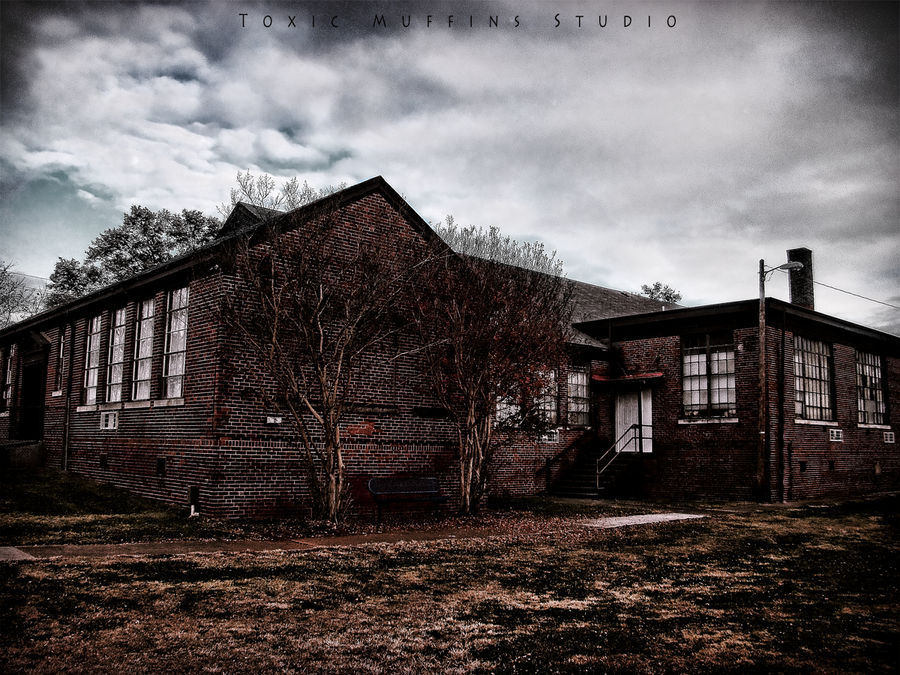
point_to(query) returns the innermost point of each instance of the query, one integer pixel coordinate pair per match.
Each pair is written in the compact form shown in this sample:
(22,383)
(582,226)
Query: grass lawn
(769,588)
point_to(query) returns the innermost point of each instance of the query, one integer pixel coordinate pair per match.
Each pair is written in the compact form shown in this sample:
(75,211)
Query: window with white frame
(143,351)
(547,403)
(60,360)
(870,389)
(176,343)
(812,380)
(7,382)
(708,375)
(92,361)
(579,398)
(116,360)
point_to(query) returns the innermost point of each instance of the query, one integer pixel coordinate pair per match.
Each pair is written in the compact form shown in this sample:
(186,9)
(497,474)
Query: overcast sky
(682,154)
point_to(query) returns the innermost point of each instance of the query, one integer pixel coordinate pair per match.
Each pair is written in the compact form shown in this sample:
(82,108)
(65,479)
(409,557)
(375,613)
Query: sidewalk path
(304,544)
(624,521)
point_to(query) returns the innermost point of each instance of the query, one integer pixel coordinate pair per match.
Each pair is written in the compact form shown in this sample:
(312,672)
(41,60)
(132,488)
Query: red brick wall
(814,466)
(717,460)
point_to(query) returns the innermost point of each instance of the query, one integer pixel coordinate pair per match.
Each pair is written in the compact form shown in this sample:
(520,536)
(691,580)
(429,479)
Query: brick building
(827,426)
(140,385)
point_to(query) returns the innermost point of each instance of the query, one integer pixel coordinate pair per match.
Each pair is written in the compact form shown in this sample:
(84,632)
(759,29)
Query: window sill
(168,402)
(5,413)
(86,408)
(115,405)
(883,427)
(710,420)
(133,405)
(56,394)
(816,423)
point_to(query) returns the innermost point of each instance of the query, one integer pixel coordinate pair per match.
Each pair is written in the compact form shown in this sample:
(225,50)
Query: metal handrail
(615,450)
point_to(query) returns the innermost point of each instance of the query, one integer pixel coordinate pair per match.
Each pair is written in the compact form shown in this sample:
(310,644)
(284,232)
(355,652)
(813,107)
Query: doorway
(628,413)
(31,409)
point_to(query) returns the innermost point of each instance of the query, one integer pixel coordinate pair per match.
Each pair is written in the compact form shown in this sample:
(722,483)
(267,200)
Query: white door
(627,413)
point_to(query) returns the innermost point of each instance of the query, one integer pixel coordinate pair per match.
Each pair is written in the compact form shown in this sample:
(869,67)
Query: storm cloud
(682,154)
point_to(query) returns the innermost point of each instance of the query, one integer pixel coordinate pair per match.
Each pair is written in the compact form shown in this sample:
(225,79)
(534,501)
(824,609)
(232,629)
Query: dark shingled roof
(244,215)
(596,302)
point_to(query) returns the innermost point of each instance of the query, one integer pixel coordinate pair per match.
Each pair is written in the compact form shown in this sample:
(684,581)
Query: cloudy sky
(682,154)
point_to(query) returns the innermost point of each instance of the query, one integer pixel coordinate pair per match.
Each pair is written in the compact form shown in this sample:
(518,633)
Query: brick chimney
(802,280)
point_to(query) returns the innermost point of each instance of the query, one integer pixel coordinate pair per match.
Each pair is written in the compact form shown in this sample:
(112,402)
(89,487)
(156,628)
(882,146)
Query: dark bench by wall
(406,489)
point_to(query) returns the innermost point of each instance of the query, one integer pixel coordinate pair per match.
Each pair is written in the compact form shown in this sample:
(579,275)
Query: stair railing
(608,457)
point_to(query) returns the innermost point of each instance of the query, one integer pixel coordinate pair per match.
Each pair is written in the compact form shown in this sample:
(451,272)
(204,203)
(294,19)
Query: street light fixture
(761,457)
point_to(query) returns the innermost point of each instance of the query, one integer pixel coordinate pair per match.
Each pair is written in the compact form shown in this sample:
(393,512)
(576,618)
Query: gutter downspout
(762,446)
(781,397)
(68,413)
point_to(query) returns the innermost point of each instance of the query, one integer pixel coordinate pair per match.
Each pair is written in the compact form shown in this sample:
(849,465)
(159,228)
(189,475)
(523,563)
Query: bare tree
(17,300)
(313,297)
(493,324)
(262,190)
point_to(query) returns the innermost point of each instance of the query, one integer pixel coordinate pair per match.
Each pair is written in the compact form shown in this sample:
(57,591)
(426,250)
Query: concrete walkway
(625,521)
(304,544)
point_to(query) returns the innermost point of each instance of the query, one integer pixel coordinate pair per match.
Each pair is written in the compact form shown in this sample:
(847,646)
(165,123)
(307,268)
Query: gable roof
(243,220)
(591,302)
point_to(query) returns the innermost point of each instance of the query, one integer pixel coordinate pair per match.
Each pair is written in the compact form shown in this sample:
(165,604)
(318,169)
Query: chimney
(801,280)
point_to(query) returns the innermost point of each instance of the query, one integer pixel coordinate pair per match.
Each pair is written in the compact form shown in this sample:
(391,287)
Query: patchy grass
(45,506)
(792,590)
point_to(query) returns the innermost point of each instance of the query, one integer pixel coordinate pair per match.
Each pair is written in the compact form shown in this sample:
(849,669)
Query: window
(109,420)
(116,359)
(176,343)
(708,380)
(836,435)
(869,389)
(889,437)
(60,360)
(92,361)
(547,404)
(812,380)
(6,383)
(579,400)
(143,351)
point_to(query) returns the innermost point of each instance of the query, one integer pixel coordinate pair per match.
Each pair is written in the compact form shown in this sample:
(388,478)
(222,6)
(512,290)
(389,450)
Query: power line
(834,288)
(857,295)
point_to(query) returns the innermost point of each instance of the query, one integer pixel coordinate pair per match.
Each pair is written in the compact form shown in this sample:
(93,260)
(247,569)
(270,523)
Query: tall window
(579,401)
(92,361)
(707,376)
(60,360)
(547,403)
(116,359)
(812,380)
(176,343)
(143,351)
(6,374)
(870,389)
